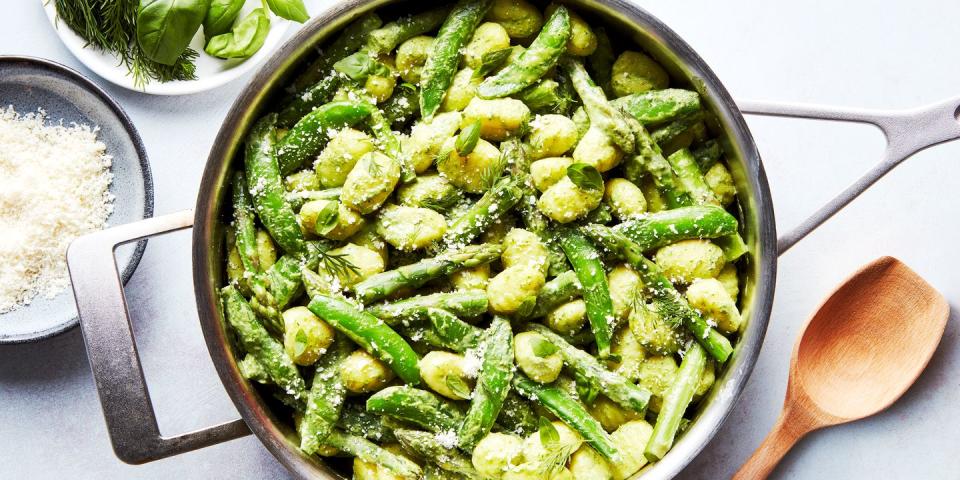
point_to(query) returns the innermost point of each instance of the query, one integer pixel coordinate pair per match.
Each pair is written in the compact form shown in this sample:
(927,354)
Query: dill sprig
(338,264)
(111,25)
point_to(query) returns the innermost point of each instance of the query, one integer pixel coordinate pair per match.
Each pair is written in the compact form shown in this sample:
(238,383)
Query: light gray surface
(854,53)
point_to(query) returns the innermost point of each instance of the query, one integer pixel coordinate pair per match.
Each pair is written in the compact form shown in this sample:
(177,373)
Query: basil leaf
(166,27)
(468,138)
(328,218)
(585,176)
(360,65)
(549,436)
(457,386)
(491,61)
(246,38)
(543,348)
(220,17)
(290,9)
(300,343)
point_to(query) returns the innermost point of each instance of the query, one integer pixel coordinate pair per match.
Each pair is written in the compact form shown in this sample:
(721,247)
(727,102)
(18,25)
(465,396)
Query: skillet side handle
(907,132)
(112,351)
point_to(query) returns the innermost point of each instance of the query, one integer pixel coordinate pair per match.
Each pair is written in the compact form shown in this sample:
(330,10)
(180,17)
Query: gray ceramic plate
(31,83)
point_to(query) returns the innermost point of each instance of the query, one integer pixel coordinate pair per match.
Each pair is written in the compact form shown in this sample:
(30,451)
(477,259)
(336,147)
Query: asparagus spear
(708,154)
(386,38)
(671,304)
(491,206)
(370,452)
(349,41)
(571,412)
(426,446)
(649,159)
(370,333)
(462,303)
(675,403)
(451,332)
(602,114)
(325,398)
(596,292)
(416,406)
(688,172)
(670,226)
(356,420)
(584,365)
(381,285)
(493,384)
(675,128)
(258,343)
(534,62)
(517,415)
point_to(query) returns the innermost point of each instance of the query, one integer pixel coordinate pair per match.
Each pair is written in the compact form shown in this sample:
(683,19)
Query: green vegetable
(166,27)
(600,63)
(547,96)
(675,403)
(602,114)
(381,285)
(491,61)
(360,65)
(534,62)
(371,452)
(220,17)
(659,106)
(493,384)
(258,343)
(384,39)
(585,176)
(671,305)
(688,173)
(246,38)
(417,407)
(350,40)
(307,138)
(371,334)
(494,204)
(453,333)
(325,398)
(670,226)
(401,107)
(442,62)
(588,369)
(571,412)
(466,303)
(266,188)
(289,9)
(111,27)
(587,263)
(708,154)
(426,446)
(561,289)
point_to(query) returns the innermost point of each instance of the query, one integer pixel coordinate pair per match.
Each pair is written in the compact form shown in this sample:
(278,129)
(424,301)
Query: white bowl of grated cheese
(70,163)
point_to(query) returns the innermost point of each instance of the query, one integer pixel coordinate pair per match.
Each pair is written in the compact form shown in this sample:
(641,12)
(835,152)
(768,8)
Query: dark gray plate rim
(92,88)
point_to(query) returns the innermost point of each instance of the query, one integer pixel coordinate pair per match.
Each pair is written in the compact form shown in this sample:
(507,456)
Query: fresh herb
(221,16)
(468,138)
(165,27)
(244,40)
(543,348)
(549,436)
(337,264)
(457,385)
(328,217)
(300,342)
(361,65)
(492,173)
(289,9)
(585,176)
(111,27)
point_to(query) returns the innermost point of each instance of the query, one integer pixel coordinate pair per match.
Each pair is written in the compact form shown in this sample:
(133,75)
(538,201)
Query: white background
(858,53)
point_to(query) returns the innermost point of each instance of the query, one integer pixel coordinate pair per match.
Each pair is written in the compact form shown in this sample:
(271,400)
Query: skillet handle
(906,131)
(105,322)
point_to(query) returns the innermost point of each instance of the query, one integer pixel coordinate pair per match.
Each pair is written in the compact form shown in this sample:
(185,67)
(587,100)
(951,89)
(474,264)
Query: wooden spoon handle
(790,427)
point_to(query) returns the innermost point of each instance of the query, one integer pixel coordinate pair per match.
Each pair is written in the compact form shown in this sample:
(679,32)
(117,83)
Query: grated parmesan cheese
(54,182)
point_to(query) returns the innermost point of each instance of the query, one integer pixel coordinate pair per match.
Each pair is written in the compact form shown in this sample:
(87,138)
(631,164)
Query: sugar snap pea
(266,188)
(670,226)
(310,134)
(386,38)
(534,62)
(437,74)
(325,398)
(370,333)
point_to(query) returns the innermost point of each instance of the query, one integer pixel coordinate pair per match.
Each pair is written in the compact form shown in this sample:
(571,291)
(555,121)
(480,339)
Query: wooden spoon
(859,353)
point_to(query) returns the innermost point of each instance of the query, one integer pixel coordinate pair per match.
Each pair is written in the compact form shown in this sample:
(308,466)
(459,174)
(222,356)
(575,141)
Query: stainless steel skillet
(130,418)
